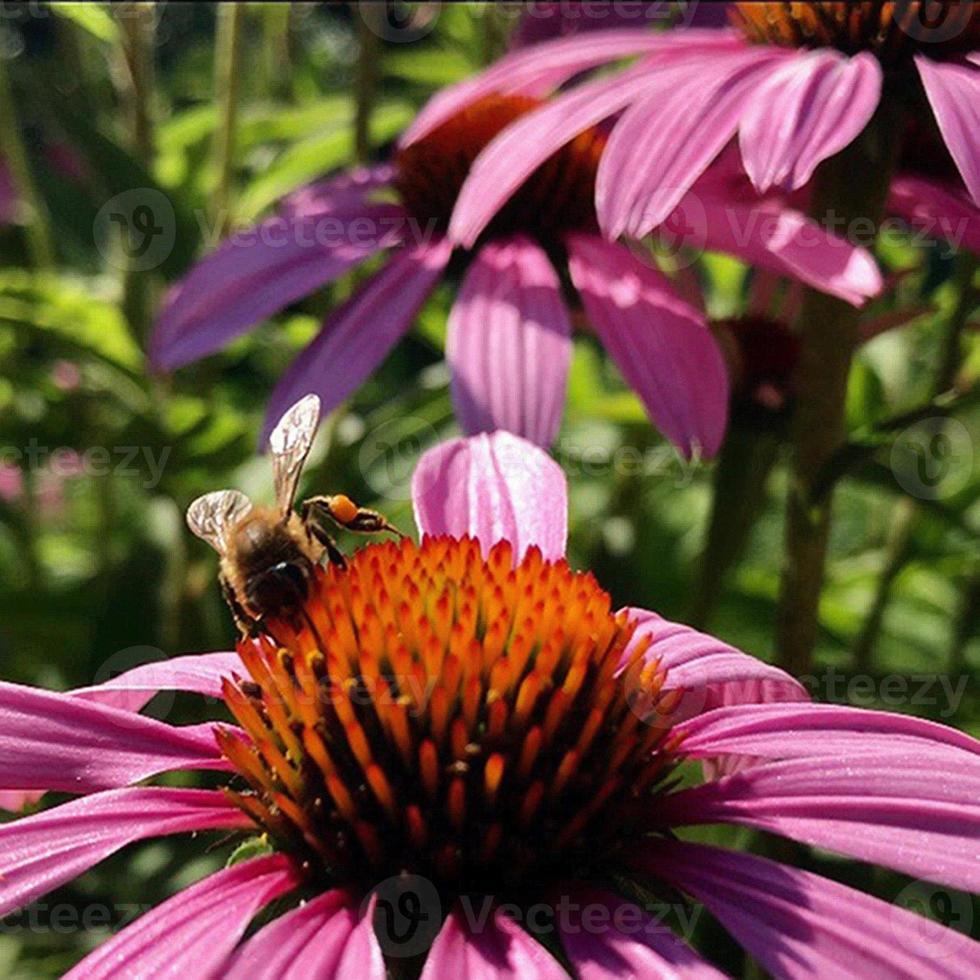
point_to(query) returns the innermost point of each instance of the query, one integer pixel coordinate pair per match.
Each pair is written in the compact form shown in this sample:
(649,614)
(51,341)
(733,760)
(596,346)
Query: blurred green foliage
(97,571)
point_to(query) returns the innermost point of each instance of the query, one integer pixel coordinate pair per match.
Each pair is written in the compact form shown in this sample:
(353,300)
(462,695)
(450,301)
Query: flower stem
(137,23)
(38,229)
(227,75)
(365,87)
(850,187)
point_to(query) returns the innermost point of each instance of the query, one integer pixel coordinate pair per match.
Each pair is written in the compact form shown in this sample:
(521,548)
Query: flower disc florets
(477,721)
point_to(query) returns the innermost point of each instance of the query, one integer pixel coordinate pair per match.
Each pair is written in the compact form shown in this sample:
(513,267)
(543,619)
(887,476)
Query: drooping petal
(941,211)
(669,136)
(615,938)
(197,673)
(44,850)
(807,110)
(793,731)
(515,153)
(52,741)
(494,949)
(356,337)
(953,91)
(193,933)
(800,925)
(710,672)
(535,71)
(660,343)
(351,188)
(361,958)
(913,810)
(509,343)
(495,487)
(258,272)
(773,236)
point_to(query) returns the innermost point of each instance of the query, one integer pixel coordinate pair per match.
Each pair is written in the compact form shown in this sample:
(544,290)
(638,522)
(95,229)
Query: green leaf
(252,848)
(91,17)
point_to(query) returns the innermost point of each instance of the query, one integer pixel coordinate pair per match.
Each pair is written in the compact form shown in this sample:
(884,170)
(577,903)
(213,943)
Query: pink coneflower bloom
(509,332)
(793,83)
(466,728)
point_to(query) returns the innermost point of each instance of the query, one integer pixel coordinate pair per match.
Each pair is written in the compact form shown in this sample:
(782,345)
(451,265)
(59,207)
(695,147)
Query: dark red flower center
(557,197)
(892,31)
(467,720)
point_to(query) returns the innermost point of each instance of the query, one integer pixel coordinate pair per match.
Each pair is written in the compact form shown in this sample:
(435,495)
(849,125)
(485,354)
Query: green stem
(743,468)
(904,515)
(365,87)
(137,24)
(851,186)
(38,230)
(967,621)
(227,77)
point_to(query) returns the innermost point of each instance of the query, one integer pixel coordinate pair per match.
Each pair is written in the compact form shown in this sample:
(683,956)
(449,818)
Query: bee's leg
(247,625)
(318,532)
(346,514)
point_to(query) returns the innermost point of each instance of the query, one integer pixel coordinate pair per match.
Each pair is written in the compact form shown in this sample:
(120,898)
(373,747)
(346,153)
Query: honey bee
(269,554)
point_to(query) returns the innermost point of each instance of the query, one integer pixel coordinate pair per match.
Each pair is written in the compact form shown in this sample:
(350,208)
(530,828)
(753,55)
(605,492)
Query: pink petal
(771,235)
(350,188)
(193,933)
(309,941)
(669,136)
(362,958)
(197,673)
(356,337)
(660,343)
(536,71)
(806,111)
(710,672)
(913,810)
(258,272)
(495,949)
(798,924)
(42,851)
(60,742)
(793,731)
(953,91)
(516,152)
(495,487)
(14,800)
(625,942)
(939,209)
(509,343)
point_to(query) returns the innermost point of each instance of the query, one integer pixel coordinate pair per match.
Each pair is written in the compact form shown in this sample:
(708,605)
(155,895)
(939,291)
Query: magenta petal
(953,91)
(193,933)
(792,731)
(309,941)
(710,672)
(913,810)
(537,70)
(42,851)
(615,938)
(197,673)
(494,949)
(356,337)
(801,925)
(495,487)
(15,799)
(258,272)
(669,136)
(660,343)
(804,112)
(775,237)
(345,190)
(940,210)
(509,343)
(61,742)
(361,958)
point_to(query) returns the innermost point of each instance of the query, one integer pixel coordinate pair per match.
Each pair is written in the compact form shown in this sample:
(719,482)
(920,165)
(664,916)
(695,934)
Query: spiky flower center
(557,197)
(478,722)
(891,31)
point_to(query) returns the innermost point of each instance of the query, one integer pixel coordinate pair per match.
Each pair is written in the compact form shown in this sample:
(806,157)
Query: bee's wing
(289,445)
(210,516)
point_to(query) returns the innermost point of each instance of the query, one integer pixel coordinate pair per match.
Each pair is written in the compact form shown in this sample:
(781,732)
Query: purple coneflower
(795,83)
(467,725)
(509,339)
